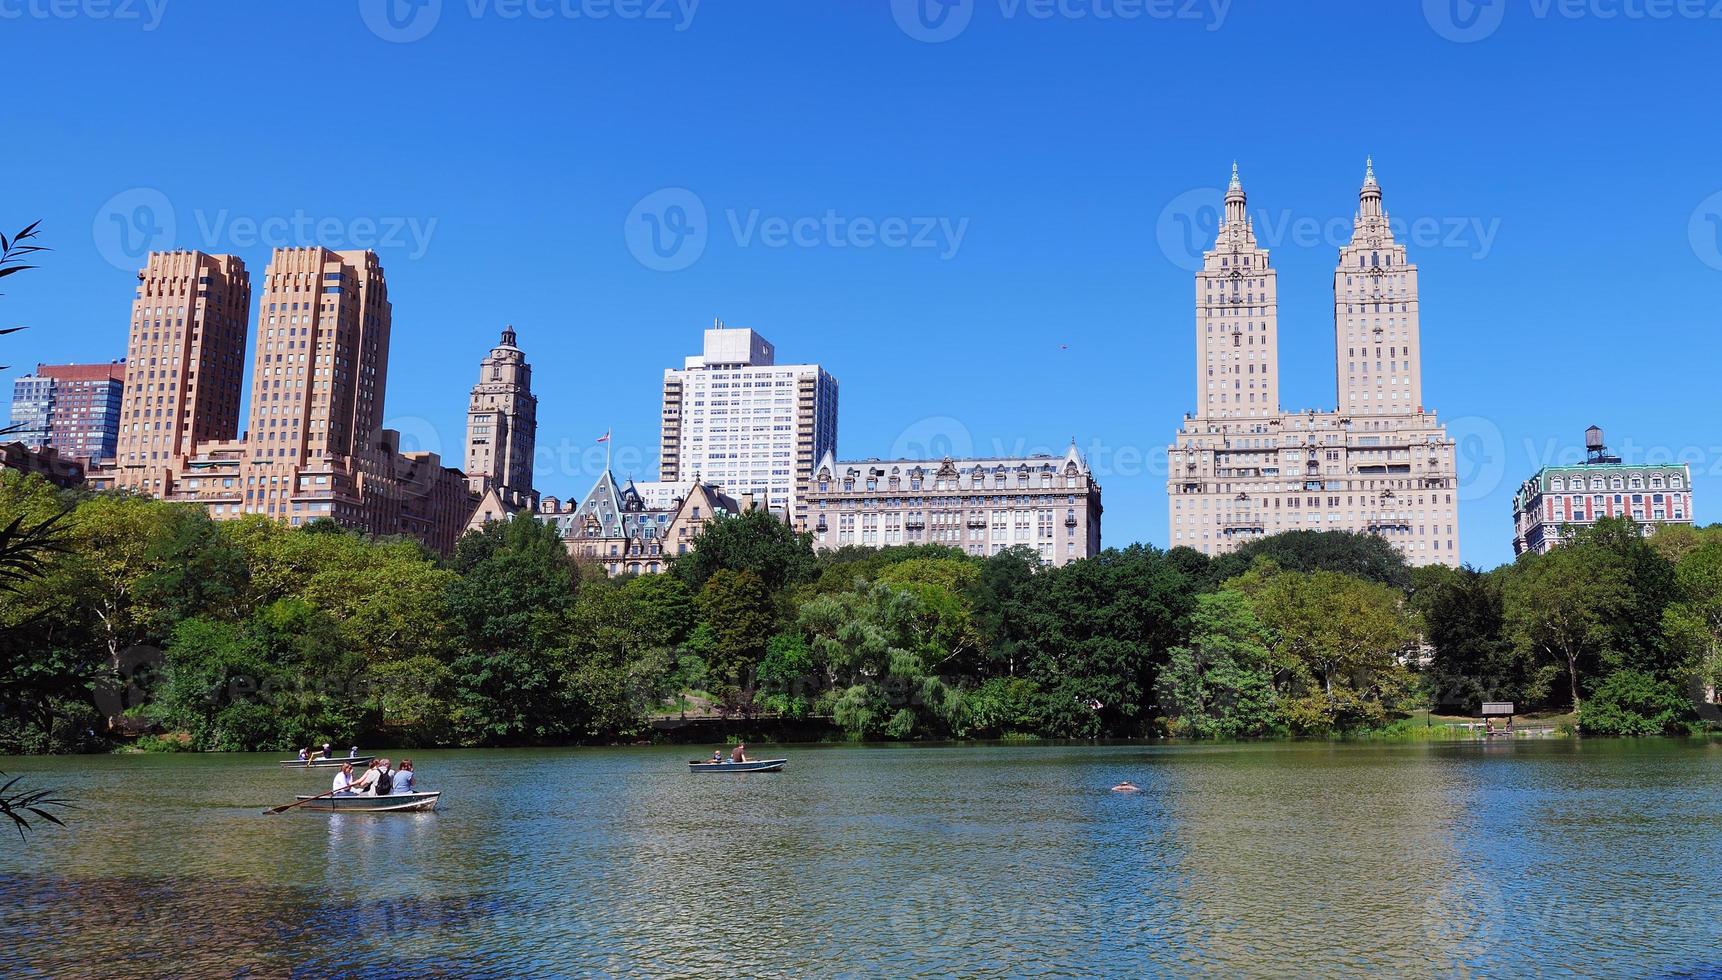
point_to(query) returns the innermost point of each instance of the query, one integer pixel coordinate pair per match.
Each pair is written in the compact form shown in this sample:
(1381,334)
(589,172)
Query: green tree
(511,612)
(1473,659)
(1634,702)
(1365,556)
(1340,639)
(754,542)
(738,607)
(1221,685)
(1561,607)
(1694,624)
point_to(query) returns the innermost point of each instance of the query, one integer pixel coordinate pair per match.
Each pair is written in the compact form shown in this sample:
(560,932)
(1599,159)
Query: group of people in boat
(377,779)
(737,754)
(317,755)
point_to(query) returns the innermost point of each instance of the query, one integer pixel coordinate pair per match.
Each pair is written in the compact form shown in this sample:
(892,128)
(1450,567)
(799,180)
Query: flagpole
(607,444)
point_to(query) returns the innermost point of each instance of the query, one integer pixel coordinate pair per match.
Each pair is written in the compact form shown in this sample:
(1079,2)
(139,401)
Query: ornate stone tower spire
(1379,358)
(1237,320)
(1235,199)
(502,425)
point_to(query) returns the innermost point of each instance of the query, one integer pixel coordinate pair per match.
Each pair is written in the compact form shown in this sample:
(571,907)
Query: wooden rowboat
(324,763)
(394,803)
(753,765)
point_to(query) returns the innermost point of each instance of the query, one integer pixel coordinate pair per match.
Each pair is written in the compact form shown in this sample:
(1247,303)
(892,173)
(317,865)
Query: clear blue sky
(1024,170)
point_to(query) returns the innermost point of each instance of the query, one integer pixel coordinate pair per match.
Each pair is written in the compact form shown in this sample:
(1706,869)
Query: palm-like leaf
(20,805)
(24,550)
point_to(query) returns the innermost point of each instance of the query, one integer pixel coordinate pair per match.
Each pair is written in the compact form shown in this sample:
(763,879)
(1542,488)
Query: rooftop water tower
(1595,450)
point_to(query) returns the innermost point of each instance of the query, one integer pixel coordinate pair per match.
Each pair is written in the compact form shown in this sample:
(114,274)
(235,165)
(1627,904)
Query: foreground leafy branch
(16,802)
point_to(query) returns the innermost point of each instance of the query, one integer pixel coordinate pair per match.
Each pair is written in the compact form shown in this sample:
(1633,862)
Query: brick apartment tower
(184,363)
(315,447)
(321,365)
(73,409)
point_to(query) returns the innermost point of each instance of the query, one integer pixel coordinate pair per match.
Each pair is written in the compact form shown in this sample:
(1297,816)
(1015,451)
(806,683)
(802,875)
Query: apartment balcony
(1387,520)
(1070,521)
(1242,524)
(977,522)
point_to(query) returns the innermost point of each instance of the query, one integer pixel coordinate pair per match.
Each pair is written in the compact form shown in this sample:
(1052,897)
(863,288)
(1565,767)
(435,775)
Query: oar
(288,806)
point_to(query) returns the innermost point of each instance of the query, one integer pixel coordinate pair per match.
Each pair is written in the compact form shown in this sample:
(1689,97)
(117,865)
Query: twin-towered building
(740,430)
(1241,468)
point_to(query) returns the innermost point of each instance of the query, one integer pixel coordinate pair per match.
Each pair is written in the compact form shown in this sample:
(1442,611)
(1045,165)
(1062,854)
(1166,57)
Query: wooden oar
(288,806)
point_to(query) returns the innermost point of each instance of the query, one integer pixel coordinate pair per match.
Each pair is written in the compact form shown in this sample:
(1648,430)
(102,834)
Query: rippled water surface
(1547,858)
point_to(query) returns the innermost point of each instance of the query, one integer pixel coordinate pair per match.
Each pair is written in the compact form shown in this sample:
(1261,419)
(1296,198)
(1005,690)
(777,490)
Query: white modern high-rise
(736,418)
(1380,463)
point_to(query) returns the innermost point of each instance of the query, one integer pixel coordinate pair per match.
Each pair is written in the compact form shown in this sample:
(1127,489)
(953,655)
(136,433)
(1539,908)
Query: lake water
(1545,857)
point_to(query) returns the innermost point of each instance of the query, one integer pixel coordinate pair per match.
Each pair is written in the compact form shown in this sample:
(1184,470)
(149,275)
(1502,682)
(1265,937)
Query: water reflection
(1233,860)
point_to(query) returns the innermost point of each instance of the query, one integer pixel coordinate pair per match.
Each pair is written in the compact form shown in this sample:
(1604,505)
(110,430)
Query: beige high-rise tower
(321,365)
(502,424)
(316,448)
(185,359)
(1378,356)
(1237,320)
(1242,469)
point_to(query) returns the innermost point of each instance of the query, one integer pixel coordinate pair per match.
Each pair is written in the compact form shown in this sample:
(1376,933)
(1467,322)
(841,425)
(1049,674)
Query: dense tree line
(246,634)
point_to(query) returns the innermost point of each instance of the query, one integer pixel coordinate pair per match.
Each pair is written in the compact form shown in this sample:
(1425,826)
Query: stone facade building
(745,422)
(1241,468)
(315,447)
(73,409)
(502,425)
(1560,500)
(616,528)
(982,506)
